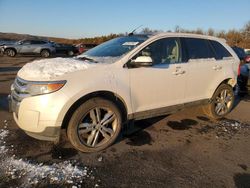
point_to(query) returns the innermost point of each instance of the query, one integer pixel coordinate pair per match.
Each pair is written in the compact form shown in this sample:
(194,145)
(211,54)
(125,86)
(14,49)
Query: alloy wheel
(223,102)
(97,127)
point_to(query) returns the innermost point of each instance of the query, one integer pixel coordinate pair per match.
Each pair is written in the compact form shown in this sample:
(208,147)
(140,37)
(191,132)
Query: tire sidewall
(80,112)
(217,92)
(70,53)
(43,53)
(10,50)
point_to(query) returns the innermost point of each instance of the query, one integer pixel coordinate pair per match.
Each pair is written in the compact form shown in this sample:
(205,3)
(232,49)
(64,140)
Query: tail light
(247,59)
(238,70)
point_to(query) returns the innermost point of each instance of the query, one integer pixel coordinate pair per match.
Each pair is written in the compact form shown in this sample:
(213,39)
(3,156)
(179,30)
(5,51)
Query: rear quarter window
(219,50)
(198,48)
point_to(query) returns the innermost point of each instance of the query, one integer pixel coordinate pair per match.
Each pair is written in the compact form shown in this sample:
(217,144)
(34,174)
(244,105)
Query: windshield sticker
(130,43)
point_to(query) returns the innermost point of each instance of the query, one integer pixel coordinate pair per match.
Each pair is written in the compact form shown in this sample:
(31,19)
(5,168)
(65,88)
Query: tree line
(234,37)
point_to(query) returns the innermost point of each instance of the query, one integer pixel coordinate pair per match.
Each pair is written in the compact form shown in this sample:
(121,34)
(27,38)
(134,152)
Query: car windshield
(114,48)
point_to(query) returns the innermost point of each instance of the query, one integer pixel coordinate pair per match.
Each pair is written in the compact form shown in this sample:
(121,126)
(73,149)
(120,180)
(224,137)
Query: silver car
(42,47)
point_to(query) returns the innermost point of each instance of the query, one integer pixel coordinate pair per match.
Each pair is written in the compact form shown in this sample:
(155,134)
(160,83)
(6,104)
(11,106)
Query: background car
(41,47)
(67,49)
(243,73)
(85,47)
(247,51)
(240,53)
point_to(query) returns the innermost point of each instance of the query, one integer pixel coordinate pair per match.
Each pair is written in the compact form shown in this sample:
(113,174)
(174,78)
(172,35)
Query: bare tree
(210,32)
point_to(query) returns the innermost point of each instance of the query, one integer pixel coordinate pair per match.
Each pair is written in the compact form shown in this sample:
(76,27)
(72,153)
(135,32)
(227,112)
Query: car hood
(52,69)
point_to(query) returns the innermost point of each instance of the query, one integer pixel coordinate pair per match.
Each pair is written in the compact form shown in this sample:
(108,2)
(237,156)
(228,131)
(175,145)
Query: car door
(36,46)
(204,71)
(25,47)
(163,83)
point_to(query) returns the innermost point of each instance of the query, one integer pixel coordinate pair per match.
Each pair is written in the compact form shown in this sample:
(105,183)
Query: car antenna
(132,33)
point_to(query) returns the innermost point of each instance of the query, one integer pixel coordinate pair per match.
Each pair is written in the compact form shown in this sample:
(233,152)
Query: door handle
(177,72)
(217,67)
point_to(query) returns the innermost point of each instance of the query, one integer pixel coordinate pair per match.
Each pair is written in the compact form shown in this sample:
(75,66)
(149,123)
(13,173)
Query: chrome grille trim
(20,81)
(18,93)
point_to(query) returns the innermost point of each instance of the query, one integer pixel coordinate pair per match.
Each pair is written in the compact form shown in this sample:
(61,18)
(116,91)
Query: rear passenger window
(42,42)
(220,51)
(35,42)
(198,49)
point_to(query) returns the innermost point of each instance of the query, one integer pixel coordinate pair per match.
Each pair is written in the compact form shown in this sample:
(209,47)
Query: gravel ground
(185,149)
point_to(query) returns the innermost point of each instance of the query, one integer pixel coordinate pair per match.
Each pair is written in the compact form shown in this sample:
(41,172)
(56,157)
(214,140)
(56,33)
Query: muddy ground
(185,149)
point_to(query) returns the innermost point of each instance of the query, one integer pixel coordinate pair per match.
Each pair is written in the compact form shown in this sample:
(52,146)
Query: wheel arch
(108,95)
(229,81)
(45,49)
(10,48)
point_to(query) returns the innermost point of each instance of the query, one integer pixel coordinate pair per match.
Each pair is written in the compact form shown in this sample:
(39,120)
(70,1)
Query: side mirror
(20,43)
(142,61)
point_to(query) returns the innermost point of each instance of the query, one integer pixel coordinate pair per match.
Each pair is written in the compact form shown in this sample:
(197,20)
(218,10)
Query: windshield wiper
(87,58)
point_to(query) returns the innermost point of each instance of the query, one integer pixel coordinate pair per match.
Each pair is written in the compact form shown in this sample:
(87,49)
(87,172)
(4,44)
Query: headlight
(39,88)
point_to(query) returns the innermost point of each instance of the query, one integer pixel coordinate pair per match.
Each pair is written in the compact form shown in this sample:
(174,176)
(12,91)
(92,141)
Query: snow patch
(47,69)
(228,128)
(56,173)
(3,134)
(31,172)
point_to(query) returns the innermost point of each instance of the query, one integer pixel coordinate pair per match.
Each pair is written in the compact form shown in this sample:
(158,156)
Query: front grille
(18,93)
(20,82)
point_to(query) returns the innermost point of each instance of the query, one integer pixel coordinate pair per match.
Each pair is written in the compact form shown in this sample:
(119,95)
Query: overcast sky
(88,18)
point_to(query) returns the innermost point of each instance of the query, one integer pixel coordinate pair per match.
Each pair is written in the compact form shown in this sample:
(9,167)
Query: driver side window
(163,51)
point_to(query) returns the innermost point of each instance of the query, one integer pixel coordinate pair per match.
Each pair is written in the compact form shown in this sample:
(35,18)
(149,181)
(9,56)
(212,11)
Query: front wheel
(95,125)
(45,53)
(10,52)
(222,102)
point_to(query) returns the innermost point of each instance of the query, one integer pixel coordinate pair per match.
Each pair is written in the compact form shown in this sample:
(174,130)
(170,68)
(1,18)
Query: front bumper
(48,130)
(38,115)
(1,50)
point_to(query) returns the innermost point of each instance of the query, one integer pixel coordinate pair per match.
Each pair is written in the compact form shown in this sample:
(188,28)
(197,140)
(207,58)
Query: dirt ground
(185,149)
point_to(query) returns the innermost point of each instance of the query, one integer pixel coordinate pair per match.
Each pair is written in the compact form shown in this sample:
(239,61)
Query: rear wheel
(94,125)
(222,102)
(11,52)
(45,53)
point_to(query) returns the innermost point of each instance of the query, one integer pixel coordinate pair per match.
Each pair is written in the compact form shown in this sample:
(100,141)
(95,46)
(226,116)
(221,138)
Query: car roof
(44,40)
(192,35)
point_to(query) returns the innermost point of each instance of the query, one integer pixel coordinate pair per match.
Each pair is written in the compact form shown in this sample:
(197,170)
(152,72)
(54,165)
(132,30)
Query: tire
(70,53)
(222,102)
(89,132)
(45,53)
(11,52)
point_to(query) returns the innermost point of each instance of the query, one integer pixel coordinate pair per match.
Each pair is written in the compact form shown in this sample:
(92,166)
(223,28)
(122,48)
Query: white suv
(127,78)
